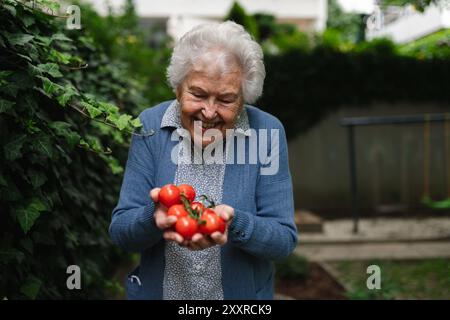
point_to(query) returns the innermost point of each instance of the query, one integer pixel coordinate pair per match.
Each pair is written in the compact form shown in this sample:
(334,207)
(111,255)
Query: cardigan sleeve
(133,227)
(270,232)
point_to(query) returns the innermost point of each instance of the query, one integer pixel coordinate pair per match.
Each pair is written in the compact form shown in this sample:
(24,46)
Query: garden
(69,105)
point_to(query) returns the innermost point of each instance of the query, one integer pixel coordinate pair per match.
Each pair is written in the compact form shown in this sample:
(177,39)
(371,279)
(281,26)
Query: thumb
(154,194)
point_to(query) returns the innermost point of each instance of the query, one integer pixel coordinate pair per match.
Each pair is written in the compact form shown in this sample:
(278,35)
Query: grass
(422,279)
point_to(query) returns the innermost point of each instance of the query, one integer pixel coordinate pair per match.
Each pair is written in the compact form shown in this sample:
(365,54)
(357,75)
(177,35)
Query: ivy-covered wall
(63,134)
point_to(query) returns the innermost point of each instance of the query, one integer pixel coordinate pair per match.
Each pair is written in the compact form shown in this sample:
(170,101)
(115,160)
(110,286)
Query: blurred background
(361,86)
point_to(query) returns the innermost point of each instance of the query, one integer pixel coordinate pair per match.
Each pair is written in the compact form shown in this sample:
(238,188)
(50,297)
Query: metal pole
(353,186)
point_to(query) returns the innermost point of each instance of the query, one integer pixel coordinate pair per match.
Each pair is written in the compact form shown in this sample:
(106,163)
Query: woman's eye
(198,95)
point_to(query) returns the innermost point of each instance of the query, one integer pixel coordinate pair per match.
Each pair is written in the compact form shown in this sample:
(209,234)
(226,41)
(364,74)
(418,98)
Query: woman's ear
(178,93)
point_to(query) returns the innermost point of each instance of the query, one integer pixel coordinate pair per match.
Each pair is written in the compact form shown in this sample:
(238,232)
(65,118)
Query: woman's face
(215,99)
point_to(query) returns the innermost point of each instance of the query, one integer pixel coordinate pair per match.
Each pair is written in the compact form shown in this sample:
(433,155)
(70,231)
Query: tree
(237,14)
(347,24)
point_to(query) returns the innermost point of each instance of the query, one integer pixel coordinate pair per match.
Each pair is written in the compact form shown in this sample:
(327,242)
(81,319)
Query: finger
(154,194)
(163,221)
(219,238)
(227,216)
(225,212)
(173,236)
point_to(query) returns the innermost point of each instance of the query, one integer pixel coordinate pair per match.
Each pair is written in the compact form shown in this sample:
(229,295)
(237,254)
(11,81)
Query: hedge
(302,87)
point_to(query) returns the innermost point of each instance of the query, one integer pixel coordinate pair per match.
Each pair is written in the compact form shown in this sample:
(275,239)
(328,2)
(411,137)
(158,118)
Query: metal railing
(352,122)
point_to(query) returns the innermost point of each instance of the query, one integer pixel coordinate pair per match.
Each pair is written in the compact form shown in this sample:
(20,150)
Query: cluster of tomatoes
(192,217)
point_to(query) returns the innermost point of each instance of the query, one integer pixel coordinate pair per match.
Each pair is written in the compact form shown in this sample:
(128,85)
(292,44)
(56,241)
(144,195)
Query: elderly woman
(214,71)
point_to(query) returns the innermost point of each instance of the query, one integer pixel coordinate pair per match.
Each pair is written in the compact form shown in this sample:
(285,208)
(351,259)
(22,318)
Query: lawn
(418,279)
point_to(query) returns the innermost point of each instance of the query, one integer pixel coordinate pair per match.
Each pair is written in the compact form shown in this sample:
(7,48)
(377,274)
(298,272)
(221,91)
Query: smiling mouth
(207,125)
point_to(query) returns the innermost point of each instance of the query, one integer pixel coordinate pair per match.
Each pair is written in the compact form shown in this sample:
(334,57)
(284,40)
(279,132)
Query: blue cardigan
(262,230)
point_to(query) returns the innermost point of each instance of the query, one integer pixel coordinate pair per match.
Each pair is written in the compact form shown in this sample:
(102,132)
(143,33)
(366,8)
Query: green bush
(61,103)
(433,46)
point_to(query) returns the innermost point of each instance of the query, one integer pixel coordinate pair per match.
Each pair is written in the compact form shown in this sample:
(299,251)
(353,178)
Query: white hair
(227,43)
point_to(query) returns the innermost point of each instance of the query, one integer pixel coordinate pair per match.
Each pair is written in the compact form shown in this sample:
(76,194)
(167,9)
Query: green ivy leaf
(44,146)
(113,164)
(44,40)
(27,218)
(122,122)
(28,21)
(31,287)
(136,123)
(93,111)
(50,68)
(4,74)
(60,37)
(11,9)
(36,178)
(62,129)
(69,92)
(113,118)
(5,105)
(13,148)
(59,57)
(49,86)
(94,143)
(37,204)
(25,57)
(108,107)
(18,39)
(84,144)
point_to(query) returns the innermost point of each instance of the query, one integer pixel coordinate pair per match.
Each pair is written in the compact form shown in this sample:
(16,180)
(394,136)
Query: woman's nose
(209,110)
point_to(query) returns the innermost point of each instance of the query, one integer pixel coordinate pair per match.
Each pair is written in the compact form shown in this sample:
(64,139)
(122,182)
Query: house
(405,24)
(179,16)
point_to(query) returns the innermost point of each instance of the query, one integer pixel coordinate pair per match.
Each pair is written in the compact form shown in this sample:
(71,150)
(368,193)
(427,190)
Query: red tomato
(198,206)
(187,191)
(177,210)
(213,222)
(169,195)
(186,227)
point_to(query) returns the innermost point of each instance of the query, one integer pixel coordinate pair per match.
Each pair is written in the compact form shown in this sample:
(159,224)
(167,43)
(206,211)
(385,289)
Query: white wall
(389,161)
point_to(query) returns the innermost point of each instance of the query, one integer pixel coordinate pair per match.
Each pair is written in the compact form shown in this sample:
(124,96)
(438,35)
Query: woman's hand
(198,241)
(163,221)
